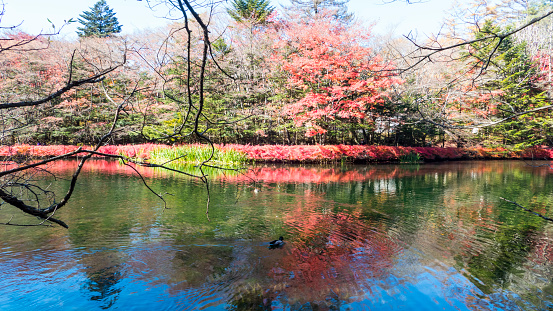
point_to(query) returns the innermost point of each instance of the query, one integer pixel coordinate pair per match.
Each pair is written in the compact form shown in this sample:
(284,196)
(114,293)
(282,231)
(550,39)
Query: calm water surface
(428,237)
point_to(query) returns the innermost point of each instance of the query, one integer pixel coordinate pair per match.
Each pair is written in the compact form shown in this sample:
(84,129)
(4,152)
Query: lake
(360,237)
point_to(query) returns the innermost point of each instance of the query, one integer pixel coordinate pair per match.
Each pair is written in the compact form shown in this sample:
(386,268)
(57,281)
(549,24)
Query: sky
(424,17)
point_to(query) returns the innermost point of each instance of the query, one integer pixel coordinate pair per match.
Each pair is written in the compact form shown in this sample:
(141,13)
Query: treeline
(307,74)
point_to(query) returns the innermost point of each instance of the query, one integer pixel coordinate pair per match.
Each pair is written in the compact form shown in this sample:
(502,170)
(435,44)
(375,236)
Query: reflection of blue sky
(403,254)
(412,285)
(415,284)
(387,185)
(54,280)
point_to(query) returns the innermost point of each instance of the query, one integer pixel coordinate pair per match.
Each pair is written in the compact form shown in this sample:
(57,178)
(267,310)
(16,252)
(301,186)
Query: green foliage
(196,154)
(256,11)
(536,8)
(516,78)
(411,157)
(313,7)
(250,109)
(100,21)
(220,46)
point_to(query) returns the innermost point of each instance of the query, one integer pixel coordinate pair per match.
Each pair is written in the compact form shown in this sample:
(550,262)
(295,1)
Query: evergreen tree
(516,76)
(254,10)
(522,11)
(99,21)
(310,8)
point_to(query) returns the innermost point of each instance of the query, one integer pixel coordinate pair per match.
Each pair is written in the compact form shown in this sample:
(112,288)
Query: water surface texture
(386,237)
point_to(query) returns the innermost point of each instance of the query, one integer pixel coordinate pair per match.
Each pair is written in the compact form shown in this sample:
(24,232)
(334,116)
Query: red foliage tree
(335,73)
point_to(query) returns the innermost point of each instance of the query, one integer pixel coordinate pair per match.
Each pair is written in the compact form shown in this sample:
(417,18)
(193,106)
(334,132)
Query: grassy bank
(196,154)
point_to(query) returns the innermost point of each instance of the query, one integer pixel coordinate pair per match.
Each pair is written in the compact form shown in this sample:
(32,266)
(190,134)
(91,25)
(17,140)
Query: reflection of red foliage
(316,174)
(278,174)
(543,251)
(331,252)
(99,166)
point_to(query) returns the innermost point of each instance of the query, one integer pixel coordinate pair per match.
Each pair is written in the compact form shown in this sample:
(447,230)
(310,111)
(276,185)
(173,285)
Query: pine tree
(100,21)
(254,10)
(516,76)
(522,11)
(310,8)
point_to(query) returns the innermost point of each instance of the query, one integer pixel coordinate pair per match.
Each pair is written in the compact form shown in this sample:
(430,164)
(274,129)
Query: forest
(231,82)
(251,155)
(308,74)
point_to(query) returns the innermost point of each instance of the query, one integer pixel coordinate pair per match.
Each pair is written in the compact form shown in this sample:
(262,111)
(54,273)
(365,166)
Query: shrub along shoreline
(287,154)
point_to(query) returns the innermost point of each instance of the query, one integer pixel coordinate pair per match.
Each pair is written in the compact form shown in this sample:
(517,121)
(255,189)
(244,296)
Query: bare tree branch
(528,210)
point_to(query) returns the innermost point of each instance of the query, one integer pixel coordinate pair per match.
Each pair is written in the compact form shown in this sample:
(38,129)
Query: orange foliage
(332,64)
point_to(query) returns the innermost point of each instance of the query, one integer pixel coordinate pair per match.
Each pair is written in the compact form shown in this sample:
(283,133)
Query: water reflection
(101,286)
(370,237)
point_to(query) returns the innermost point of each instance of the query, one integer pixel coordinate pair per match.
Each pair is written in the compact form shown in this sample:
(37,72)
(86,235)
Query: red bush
(303,153)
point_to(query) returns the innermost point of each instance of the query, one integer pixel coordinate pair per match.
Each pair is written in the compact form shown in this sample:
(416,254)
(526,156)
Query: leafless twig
(528,210)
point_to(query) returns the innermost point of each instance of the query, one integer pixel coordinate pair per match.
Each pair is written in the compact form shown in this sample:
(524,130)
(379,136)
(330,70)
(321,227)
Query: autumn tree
(464,104)
(335,78)
(514,83)
(239,99)
(40,86)
(18,186)
(100,21)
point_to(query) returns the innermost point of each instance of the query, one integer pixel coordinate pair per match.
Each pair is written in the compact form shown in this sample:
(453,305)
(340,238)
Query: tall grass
(196,154)
(409,158)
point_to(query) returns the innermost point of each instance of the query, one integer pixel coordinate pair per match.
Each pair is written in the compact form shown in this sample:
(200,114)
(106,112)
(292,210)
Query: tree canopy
(253,10)
(309,8)
(304,80)
(100,21)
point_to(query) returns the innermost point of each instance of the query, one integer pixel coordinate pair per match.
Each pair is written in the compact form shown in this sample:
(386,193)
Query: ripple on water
(40,278)
(430,241)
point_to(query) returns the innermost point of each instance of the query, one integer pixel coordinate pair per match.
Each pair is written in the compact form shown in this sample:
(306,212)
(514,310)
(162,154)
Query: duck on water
(276,243)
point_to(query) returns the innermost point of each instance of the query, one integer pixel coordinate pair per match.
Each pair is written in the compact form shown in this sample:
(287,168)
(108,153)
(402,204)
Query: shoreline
(298,154)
